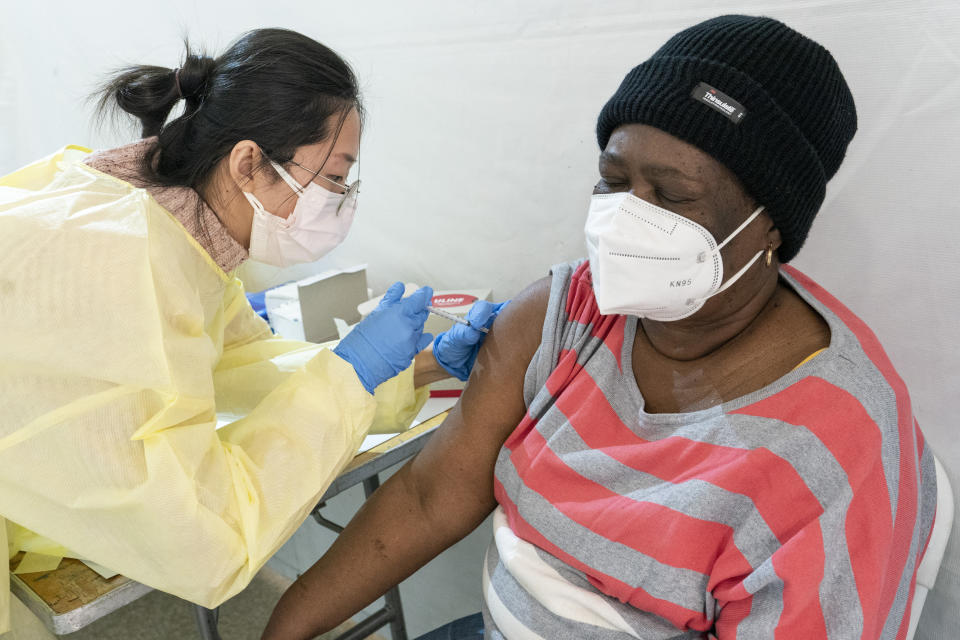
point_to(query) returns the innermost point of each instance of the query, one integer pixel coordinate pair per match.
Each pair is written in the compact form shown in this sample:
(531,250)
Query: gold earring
(769,254)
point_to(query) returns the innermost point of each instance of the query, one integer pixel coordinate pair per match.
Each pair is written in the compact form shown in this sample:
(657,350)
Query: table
(74,595)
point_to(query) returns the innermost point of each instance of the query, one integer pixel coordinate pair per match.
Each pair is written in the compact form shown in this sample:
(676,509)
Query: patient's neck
(719,322)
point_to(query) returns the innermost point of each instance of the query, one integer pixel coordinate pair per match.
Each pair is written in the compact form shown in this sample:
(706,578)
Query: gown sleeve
(121,341)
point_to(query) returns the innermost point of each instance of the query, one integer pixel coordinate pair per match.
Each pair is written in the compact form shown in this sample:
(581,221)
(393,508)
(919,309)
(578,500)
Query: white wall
(480,154)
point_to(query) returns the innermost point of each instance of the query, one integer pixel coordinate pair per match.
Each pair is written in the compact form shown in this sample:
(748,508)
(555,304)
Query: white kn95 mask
(649,262)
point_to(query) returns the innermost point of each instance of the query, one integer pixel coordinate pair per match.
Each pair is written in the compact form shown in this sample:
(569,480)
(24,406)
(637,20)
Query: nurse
(124,332)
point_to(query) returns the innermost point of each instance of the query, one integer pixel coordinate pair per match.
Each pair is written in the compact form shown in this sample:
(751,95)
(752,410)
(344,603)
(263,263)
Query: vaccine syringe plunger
(455,318)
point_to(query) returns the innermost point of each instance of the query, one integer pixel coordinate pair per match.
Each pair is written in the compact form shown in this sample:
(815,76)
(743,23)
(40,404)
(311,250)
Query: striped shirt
(798,511)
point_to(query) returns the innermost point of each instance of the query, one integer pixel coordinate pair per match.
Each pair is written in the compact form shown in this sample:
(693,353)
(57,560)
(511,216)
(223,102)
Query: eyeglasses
(349,191)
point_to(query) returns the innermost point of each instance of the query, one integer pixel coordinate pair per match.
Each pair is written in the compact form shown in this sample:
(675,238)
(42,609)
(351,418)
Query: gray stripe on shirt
(682,587)
(926,509)
(767,605)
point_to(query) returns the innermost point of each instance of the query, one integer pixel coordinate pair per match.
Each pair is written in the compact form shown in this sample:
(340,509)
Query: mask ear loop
(740,228)
(293,184)
(255,203)
(726,285)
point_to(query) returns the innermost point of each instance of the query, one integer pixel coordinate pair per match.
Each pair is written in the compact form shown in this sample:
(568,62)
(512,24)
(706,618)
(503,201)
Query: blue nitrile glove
(259,303)
(456,349)
(385,342)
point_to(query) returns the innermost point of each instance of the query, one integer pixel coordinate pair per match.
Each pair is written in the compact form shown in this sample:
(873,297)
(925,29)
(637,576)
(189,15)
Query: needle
(457,319)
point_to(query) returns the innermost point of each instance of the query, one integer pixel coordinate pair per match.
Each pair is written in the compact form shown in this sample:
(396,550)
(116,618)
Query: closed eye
(674,198)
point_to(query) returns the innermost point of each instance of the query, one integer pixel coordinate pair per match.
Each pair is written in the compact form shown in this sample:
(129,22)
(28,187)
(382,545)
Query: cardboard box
(305,309)
(328,296)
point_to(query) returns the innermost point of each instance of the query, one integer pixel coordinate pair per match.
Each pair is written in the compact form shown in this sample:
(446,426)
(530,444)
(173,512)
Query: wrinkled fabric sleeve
(398,403)
(252,366)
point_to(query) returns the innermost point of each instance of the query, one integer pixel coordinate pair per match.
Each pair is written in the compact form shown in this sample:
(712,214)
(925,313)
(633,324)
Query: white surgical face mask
(320,221)
(650,262)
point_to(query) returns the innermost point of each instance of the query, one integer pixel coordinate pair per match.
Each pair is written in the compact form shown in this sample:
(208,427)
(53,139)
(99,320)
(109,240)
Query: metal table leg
(392,612)
(398,627)
(207,622)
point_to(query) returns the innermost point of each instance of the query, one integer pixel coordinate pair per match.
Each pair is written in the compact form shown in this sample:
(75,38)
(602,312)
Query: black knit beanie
(764,100)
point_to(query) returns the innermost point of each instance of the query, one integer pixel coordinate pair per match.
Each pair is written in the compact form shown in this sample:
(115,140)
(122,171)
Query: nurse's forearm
(390,538)
(426,369)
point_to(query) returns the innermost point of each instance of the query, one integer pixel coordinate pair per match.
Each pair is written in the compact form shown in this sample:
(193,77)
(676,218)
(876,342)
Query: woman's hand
(456,349)
(386,341)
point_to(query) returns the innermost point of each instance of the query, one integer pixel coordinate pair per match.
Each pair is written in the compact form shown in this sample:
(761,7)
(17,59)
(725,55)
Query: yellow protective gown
(120,341)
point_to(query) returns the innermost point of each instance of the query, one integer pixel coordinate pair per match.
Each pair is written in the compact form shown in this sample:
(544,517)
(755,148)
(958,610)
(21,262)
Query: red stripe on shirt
(679,616)
(732,614)
(582,308)
(581,303)
(921,443)
(800,564)
(905,620)
(564,373)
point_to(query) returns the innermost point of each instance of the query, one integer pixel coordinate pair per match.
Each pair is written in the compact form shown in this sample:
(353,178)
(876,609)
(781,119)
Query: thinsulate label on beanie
(720,101)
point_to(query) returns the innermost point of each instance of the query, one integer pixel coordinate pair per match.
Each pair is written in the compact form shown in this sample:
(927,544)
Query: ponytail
(149,93)
(276,87)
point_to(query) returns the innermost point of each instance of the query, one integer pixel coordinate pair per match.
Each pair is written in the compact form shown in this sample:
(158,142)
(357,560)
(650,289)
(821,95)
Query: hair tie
(176,82)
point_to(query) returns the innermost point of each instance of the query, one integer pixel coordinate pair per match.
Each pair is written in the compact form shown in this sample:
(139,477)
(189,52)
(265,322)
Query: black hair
(276,87)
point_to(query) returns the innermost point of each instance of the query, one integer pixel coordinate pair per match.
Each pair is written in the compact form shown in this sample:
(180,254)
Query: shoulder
(856,363)
(62,195)
(126,163)
(101,228)
(567,289)
(519,325)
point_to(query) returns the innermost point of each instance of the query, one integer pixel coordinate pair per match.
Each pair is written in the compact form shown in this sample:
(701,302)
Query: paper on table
(343,327)
(432,407)
(37,562)
(105,573)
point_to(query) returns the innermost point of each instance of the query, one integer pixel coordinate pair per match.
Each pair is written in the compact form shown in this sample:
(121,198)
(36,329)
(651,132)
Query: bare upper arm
(454,472)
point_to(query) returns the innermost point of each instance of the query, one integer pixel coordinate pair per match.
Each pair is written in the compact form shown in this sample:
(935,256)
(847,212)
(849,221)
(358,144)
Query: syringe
(457,319)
